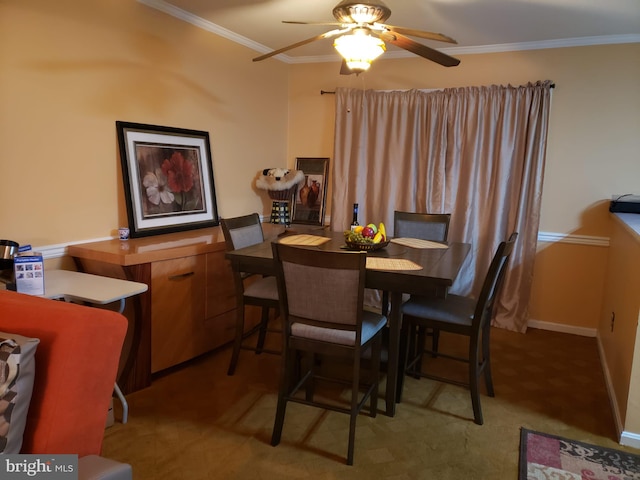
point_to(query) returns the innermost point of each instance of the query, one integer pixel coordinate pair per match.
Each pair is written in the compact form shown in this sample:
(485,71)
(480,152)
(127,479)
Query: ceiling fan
(361,36)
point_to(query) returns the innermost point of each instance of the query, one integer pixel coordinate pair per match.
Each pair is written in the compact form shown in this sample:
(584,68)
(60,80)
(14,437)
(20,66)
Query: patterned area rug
(544,456)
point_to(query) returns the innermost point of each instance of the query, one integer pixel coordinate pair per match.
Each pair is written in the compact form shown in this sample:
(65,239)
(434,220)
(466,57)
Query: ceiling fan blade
(420,33)
(330,33)
(295,22)
(414,47)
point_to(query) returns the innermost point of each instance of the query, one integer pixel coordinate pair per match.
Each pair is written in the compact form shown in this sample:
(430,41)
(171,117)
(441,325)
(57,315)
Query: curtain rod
(327,92)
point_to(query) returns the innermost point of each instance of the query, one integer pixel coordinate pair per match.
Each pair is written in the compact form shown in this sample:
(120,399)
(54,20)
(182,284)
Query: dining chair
(321,303)
(462,316)
(424,226)
(250,289)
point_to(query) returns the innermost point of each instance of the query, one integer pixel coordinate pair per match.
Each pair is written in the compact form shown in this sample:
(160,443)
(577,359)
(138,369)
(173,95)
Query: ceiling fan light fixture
(364,11)
(359,49)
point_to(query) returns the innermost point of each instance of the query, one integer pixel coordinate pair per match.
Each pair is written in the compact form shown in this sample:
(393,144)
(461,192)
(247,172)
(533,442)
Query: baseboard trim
(611,391)
(630,439)
(559,327)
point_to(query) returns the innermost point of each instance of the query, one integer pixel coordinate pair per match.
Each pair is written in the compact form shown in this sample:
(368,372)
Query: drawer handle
(181,275)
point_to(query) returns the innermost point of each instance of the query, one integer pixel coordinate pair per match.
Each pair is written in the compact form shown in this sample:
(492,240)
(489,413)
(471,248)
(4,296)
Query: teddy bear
(280,182)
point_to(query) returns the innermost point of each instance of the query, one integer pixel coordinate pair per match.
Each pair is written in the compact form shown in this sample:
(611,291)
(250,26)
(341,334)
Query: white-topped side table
(93,289)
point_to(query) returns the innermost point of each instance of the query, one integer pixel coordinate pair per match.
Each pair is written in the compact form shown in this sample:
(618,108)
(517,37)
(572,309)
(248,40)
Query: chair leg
(486,360)
(279,421)
(406,332)
(286,378)
(352,437)
(418,349)
(376,349)
(354,410)
(385,303)
(237,341)
(474,380)
(264,321)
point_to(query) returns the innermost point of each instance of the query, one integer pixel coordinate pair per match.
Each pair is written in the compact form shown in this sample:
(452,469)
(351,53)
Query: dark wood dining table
(430,267)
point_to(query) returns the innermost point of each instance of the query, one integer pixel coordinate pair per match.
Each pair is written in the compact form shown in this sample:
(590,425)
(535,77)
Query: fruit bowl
(367,247)
(367,238)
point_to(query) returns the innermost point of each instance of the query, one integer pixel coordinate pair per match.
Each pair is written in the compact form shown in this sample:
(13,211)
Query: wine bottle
(354,221)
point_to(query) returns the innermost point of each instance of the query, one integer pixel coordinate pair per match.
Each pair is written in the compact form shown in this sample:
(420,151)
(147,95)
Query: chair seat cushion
(265,287)
(372,323)
(453,309)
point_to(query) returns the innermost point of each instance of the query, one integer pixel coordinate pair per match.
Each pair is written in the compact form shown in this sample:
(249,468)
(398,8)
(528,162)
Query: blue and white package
(29,271)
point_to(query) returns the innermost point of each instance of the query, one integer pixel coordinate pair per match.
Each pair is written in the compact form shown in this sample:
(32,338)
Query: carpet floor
(544,456)
(194,422)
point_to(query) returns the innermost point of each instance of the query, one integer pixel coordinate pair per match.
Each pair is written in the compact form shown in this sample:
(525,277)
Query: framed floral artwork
(168,178)
(311,198)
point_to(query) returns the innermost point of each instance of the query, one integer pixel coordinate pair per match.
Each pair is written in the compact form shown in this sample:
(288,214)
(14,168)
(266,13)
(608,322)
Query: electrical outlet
(613,320)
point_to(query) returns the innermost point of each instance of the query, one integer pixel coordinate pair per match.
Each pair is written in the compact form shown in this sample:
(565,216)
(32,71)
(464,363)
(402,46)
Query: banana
(383,231)
(378,237)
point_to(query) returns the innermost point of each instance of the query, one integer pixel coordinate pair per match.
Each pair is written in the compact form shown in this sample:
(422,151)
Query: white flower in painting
(157,189)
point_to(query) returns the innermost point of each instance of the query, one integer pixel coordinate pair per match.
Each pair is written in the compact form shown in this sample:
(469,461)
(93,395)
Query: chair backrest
(321,288)
(240,232)
(493,281)
(425,226)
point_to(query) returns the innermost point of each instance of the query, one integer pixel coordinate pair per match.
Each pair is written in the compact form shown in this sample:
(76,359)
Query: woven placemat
(418,243)
(380,263)
(303,239)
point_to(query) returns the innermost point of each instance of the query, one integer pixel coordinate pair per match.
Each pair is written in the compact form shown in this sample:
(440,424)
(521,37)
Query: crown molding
(200,22)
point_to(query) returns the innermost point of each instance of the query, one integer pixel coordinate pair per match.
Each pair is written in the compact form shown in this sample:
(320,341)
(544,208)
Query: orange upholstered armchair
(76,361)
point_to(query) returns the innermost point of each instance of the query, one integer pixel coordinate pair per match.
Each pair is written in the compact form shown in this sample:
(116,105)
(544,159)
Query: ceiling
(479,26)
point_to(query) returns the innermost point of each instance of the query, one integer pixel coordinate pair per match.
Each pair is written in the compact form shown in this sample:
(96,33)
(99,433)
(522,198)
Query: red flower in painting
(179,172)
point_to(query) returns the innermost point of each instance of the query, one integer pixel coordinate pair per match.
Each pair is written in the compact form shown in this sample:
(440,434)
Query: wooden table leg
(402,351)
(393,380)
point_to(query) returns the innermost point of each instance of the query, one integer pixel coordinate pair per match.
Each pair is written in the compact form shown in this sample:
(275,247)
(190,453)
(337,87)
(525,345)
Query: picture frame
(311,198)
(168,178)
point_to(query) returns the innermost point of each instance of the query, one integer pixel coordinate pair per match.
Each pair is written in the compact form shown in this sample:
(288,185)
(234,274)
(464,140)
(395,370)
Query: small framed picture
(311,199)
(168,178)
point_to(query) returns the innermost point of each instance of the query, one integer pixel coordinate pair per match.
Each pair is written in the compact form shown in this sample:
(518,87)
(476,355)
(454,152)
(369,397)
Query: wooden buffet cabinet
(190,306)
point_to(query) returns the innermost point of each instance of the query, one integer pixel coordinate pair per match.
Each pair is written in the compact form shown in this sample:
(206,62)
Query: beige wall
(70,69)
(592,149)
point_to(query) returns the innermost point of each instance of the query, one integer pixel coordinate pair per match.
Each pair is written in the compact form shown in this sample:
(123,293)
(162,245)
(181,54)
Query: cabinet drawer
(178,310)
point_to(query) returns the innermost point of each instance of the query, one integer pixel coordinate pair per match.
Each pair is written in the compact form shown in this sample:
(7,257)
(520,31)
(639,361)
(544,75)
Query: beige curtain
(477,153)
